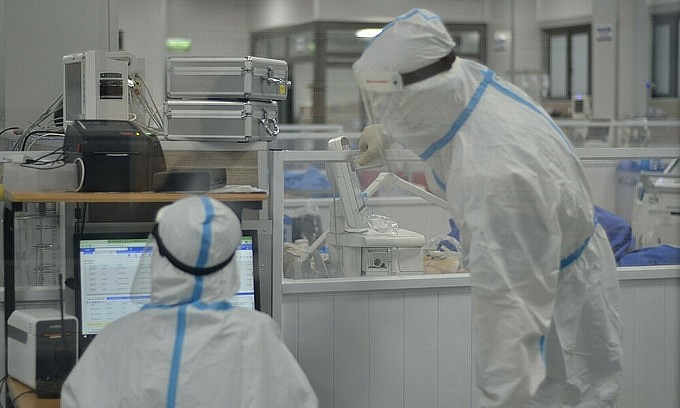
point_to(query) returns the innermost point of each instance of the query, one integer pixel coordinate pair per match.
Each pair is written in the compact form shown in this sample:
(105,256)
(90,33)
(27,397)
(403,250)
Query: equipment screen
(106,268)
(245,297)
(73,91)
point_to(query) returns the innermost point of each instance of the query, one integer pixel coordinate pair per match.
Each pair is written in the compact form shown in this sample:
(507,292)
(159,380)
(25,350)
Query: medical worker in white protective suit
(540,265)
(190,347)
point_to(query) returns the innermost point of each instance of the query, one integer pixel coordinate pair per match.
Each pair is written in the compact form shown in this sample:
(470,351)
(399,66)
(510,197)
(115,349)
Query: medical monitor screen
(106,268)
(107,265)
(246,295)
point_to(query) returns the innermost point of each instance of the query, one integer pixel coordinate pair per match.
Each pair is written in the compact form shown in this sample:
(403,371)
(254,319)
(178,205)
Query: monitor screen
(106,266)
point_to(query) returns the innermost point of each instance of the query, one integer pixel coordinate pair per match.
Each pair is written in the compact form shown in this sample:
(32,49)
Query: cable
(82,174)
(8,129)
(59,158)
(82,223)
(158,119)
(21,395)
(54,106)
(41,136)
(3,382)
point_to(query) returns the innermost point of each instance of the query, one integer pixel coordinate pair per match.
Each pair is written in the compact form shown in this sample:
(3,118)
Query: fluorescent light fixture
(367,32)
(178,44)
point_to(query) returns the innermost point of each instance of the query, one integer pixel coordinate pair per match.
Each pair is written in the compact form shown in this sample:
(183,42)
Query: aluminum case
(236,121)
(227,78)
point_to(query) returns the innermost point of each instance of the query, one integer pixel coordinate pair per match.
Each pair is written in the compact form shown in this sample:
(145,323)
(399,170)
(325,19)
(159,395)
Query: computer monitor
(106,266)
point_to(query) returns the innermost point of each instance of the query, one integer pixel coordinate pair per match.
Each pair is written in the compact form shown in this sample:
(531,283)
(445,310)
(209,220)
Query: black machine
(116,155)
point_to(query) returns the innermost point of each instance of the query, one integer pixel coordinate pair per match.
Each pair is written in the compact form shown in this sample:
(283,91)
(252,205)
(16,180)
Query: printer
(116,155)
(41,348)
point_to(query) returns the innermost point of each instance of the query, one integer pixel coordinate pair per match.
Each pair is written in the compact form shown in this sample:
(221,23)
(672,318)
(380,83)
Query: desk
(142,197)
(30,400)
(15,199)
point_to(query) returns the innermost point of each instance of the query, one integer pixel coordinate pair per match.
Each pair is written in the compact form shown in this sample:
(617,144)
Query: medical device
(357,246)
(656,208)
(41,348)
(580,106)
(108,263)
(96,85)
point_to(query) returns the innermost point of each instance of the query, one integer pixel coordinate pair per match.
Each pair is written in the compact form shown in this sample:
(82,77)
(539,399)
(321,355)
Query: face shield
(410,51)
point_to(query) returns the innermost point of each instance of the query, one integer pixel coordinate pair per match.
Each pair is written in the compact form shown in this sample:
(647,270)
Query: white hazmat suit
(540,265)
(189,347)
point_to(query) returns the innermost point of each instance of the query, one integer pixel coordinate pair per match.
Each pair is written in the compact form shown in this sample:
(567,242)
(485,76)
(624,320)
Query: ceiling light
(367,32)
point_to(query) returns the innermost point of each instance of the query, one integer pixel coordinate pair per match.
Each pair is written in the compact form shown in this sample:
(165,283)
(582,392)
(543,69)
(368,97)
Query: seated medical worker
(189,347)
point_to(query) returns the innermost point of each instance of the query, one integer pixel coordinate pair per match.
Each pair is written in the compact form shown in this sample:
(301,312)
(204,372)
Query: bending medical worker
(542,272)
(190,347)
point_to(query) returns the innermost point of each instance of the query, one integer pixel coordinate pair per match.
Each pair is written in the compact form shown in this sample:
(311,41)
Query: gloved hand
(371,143)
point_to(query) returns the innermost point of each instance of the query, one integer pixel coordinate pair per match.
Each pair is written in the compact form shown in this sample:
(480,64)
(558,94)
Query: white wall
(215,28)
(454,11)
(268,14)
(604,66)
(143,25)
(37,35)
(551,12)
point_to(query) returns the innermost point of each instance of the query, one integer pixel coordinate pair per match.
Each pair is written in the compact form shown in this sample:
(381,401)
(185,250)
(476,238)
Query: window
(665,55)
(568,61)
(320,57)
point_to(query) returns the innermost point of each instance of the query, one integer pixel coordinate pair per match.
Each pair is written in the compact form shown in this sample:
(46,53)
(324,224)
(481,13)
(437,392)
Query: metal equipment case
(237,121)
(227,78)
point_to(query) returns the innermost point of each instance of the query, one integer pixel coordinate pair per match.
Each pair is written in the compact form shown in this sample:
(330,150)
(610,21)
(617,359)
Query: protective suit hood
(199,239)
(412,41)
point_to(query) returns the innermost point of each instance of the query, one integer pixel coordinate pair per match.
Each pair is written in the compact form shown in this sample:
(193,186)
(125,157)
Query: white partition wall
(413,347)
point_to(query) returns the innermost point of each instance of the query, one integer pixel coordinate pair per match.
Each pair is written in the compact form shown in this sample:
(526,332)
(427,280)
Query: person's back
(541,270)
(190,347)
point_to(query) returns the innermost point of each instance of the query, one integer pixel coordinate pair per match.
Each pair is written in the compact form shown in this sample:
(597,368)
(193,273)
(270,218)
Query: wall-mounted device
(580,106)
(42,347)
(96,85)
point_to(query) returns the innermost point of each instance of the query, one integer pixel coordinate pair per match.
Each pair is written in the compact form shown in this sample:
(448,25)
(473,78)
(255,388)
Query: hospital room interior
(112,109)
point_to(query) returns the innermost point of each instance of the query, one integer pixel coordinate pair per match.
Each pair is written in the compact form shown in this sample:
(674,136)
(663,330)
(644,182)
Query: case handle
(272,131)
(274,80)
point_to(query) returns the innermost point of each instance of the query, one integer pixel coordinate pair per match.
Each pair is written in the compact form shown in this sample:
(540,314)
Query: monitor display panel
(106,265)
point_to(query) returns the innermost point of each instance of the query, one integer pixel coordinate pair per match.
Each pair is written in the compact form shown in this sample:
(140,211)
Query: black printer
(116,155)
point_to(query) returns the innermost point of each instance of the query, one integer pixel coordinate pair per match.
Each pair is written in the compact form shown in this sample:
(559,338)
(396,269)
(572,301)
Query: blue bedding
(658,255)
(620,237)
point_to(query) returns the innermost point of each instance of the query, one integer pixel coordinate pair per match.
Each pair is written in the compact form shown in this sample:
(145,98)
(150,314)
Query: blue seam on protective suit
(207,233)
(404,18)
(531,106)
(460,120)
(439,181)
(569,259)
(205,247)
(176,357)
(541,348)
(221,305)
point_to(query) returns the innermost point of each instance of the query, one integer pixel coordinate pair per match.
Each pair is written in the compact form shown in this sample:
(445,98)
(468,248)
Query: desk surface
(139,197)
(29,400)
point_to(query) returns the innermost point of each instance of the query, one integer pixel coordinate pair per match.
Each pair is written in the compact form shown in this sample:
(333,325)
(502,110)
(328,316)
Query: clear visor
(380,82)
